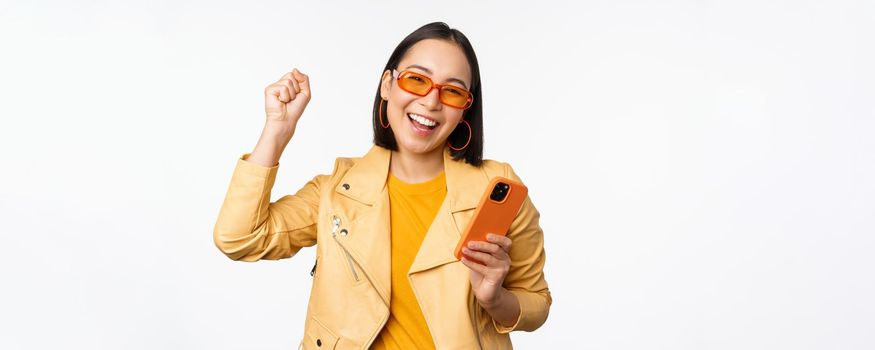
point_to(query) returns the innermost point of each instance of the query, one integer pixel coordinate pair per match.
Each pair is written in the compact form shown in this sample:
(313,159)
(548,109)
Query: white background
(704,169)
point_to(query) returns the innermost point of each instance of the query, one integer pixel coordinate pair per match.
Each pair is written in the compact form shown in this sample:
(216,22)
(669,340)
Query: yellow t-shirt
(412,208)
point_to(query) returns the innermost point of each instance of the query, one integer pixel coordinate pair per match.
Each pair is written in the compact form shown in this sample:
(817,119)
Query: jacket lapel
(369,237)
(366,180)
(464,186)
(367,219)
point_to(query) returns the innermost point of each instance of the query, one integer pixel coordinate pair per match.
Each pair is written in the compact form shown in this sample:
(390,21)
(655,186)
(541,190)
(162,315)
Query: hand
(285,100)
(487,278)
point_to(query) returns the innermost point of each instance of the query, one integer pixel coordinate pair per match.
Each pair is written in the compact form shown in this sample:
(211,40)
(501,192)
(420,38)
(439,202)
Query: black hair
(473,154)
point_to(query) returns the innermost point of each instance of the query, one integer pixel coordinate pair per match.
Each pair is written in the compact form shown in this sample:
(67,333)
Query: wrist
(277,134)
(496,303)
(269,148)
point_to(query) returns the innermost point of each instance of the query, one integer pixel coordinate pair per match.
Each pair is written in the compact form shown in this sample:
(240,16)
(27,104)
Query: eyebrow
(430,72)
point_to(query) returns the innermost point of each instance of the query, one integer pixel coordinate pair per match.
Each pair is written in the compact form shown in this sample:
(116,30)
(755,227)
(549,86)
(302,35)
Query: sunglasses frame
(397,75)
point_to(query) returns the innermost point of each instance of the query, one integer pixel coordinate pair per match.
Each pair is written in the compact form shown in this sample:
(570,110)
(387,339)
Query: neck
(417,167)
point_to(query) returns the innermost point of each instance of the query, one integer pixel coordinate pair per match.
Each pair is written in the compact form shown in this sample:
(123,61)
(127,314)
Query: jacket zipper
(349,260)
(335,225)
(313,271)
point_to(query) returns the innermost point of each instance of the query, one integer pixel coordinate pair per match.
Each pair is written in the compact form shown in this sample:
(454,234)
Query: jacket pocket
(318,336)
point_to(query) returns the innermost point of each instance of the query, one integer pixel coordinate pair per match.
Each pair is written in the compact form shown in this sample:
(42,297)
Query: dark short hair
(473,154)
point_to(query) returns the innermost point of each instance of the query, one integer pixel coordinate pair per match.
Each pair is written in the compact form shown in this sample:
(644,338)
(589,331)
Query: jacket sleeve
(526,276)
(251,228)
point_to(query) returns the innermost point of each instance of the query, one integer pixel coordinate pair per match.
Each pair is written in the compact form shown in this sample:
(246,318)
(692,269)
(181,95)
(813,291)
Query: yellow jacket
(348,213)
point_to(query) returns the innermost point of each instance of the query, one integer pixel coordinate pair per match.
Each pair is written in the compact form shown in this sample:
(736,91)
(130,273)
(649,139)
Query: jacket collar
(366,180)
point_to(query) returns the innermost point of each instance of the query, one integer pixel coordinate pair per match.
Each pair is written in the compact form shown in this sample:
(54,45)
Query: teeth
(421,120)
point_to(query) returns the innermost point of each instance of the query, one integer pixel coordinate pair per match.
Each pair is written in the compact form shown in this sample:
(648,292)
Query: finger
(487,247)
(501,240)
(475,266)
(296,85)
(487,259)
(288,84)
(293,85)
(279,91)
(303,80)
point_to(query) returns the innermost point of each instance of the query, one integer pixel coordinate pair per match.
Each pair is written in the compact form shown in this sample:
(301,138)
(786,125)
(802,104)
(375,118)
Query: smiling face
(421,124)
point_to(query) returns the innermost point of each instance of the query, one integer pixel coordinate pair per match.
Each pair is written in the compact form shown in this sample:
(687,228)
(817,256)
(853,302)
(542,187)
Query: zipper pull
(313,271)
(336,224)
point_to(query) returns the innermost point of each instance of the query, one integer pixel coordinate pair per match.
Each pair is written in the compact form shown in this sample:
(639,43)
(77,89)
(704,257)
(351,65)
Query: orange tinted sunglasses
(420,85)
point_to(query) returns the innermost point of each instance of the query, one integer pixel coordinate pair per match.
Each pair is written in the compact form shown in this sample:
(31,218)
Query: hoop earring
(470,132)
(380,111)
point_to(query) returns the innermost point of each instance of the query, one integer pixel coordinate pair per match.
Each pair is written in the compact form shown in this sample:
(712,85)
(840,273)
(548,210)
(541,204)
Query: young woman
(385,225)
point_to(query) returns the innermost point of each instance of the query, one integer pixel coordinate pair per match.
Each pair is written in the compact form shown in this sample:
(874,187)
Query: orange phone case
(492,216)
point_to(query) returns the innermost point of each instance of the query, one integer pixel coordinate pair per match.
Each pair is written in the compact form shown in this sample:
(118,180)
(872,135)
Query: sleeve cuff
(244,165)
(504,329)
(529,318)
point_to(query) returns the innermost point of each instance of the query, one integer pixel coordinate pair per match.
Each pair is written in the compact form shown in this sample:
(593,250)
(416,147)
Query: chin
(417,147)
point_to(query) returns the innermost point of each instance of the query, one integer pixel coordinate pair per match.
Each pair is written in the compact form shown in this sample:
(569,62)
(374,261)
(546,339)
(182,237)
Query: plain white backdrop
(704,169)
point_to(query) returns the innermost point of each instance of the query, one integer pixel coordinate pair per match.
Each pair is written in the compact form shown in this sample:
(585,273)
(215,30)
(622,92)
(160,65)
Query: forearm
(506,310)
(270,146)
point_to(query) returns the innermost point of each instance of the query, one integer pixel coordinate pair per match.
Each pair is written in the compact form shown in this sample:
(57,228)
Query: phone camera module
(499,192)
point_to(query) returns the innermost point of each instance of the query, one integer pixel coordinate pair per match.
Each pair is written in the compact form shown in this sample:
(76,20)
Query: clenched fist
(285,100)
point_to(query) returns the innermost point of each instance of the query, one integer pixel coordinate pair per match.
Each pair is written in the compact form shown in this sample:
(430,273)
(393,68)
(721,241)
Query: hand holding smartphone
(498,207)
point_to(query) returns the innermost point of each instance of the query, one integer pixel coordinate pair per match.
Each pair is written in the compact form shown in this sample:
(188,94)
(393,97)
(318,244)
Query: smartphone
(498,207)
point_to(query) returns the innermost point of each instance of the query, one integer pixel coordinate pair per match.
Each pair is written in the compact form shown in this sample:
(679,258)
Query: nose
(432,101)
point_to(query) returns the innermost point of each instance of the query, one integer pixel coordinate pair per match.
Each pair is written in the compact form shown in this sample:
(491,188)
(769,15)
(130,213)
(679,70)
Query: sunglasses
(420,85)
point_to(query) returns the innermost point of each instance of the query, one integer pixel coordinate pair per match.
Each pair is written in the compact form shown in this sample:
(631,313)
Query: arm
(509,284)
(526,287)
(251,228)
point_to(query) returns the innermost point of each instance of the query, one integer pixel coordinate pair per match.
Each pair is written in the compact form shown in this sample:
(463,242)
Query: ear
(386,84)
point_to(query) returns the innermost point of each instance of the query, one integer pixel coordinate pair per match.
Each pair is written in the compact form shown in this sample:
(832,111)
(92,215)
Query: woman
(385,276)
